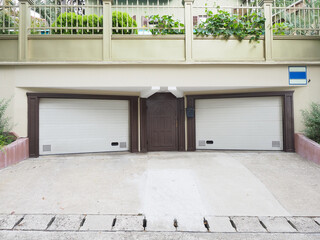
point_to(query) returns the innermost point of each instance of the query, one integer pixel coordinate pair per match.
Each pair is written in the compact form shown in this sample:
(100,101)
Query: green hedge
(5,126)
(6,21)
(119,19)
(312,122)
(122,19)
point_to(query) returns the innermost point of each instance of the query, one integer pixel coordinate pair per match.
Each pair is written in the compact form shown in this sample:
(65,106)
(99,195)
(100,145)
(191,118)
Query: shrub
(6,21)
(91,21)
(282,28)
(65,20)
(119,19)
(227,25)
(166,25)
(5,127)
(312,122)
(122,19)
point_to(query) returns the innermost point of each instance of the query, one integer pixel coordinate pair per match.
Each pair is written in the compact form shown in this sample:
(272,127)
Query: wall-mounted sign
(298,75)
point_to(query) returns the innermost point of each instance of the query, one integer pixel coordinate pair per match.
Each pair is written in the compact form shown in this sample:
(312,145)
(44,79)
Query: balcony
(159,31)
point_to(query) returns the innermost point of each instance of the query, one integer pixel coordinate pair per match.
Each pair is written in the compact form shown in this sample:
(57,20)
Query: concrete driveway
(164,184)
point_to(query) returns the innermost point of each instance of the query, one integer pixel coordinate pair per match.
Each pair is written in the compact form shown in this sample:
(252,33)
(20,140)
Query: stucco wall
(128,79)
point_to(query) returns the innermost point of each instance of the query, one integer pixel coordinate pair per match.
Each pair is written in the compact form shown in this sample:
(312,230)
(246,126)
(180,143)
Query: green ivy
(165,25)
(282,28)
(226,25)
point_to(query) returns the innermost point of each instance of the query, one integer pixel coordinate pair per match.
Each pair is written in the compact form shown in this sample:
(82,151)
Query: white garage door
(239,123)
(83,125)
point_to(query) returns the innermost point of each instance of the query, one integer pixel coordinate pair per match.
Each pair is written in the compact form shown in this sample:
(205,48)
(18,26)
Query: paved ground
(50,226)
(162,187)
(139,227)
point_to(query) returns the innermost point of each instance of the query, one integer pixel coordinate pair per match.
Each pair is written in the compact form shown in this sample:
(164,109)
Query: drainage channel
(140,223)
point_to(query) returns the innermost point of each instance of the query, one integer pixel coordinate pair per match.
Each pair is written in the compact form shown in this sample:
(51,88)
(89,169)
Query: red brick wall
(307,148)
(14,152)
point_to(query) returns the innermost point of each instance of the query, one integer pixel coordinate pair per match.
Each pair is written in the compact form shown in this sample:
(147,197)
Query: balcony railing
(298,17)
(9,19)
(152,17)
(113,23)
(67,18)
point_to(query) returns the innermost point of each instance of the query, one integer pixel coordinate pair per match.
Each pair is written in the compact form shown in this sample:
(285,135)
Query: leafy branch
(165,25)
(226,25)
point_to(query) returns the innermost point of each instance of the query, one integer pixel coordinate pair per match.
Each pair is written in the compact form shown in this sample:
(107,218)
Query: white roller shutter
(253,123)
(83,125)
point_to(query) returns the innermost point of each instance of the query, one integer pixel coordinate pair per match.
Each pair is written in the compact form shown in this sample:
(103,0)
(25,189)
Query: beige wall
(8,50)
(128,79)
(7,88)
(65,50)
(296,50)
(139,49)
(207,49)
(148,50)
(141,75)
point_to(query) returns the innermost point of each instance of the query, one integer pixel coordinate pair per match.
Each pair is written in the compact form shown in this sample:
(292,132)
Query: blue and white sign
(297,75)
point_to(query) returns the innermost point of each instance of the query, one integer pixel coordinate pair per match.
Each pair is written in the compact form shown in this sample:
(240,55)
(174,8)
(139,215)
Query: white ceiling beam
(176,92)
(148,92)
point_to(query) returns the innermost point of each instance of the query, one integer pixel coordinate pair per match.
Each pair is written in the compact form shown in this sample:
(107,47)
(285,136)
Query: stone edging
(140,223)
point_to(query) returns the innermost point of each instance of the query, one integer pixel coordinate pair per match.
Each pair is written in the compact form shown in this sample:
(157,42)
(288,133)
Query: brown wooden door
(162,122)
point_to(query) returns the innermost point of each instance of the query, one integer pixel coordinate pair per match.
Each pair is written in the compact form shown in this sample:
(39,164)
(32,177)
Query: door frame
(287,115)
(33,116)
(144,124)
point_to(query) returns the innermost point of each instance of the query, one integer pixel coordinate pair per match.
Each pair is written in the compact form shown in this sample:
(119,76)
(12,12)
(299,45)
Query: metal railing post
(24,24)
(268,35)
(188,19)
(107,29)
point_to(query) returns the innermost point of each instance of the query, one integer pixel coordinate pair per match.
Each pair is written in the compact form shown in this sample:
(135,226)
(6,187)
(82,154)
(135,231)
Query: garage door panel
(243,128)
(244,123)
(243,102)
(250,143)
(83,125)
(50,103)
(83,116)
(84,145)
(242,114)
(72,131)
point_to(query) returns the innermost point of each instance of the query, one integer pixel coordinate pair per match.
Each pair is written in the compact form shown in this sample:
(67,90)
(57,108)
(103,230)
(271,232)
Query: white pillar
(268,36)
(107,29)
(24,18)
(188,19)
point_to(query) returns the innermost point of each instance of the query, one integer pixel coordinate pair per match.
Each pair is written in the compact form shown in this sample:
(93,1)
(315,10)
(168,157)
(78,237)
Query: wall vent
(46,148)
(123,144)
(275,143)
(202,143)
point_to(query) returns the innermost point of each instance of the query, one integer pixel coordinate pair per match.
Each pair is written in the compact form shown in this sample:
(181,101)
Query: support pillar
(188,19)
(268,36)
(107,29)
(24,24)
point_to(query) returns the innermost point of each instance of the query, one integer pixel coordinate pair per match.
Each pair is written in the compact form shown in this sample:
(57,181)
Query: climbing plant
(165,24)
(226,25)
